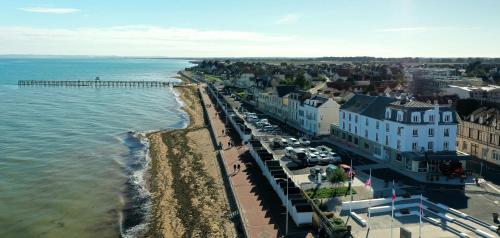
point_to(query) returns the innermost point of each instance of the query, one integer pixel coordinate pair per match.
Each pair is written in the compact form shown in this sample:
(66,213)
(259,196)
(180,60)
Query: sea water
(72,160)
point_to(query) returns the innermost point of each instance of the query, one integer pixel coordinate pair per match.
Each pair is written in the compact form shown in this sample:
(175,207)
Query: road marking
(493,187)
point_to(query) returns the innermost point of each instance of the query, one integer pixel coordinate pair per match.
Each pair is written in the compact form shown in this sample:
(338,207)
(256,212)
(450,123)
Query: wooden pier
(95,83)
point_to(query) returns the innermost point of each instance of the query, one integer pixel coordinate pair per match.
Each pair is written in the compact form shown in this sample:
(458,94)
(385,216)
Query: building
(310,114)
(479,134)
(415,137)
(486,93)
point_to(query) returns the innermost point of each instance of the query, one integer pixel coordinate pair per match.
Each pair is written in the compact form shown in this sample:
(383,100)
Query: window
(377,125)
(446,132)
(431,132)
(366,121)
(386,140)
(376,137)
(355,130)
(495,155)
(398,145)
(485,153)
(430,145)
(349,127)
(349,116)
(356,118)
(400,116)
(366,133)
(447,118)
(415,118)
(414,146)
(387,127)
(400,129)
(388,114)
(464,146)
(415,132)
(431,118)
(343,115)
(445,145)
(343,125)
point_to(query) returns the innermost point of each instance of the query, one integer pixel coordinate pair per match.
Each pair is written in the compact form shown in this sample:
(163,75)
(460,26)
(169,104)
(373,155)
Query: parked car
(293,142)
(298,156)
(347,168)
(335,157)
(313,150)
(288,151)
(304,141)
(315,171)
(283,142)
(312,159)
(324,159)
(252,119)
(323,148)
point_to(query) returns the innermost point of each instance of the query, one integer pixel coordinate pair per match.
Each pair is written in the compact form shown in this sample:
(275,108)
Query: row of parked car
(262,124)
(300,151)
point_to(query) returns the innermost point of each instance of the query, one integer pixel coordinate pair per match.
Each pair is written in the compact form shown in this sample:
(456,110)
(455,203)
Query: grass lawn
(212,78)
(329,192)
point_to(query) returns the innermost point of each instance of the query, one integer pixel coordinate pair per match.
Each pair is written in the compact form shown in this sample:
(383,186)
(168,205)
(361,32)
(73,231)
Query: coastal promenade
(250,191)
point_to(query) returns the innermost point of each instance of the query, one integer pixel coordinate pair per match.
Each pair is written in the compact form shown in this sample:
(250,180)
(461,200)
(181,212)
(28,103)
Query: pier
(95,83)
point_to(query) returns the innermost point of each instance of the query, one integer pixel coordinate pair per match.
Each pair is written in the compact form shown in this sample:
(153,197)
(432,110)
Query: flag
(393,192)
(368,182)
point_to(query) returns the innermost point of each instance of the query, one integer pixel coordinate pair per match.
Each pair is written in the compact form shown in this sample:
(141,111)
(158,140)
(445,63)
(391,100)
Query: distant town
(426,130)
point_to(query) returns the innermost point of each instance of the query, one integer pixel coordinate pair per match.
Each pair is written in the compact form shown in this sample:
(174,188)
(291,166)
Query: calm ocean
(68,165)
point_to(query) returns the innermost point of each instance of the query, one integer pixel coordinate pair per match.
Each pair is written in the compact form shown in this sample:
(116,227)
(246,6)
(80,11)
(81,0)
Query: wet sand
(188,192)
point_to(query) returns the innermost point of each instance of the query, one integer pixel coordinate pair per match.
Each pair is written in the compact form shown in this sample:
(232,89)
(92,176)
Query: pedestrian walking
(238,167)
(223,132)
(234,168)
(229,144)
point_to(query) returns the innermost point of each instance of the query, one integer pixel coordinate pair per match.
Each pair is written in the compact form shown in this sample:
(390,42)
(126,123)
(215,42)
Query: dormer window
(415,118)
(431,118)
(388,114)
(400,116)
(447,117)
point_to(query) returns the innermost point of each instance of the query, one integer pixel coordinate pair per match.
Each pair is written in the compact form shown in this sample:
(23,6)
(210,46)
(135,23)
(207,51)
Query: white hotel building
(412,136)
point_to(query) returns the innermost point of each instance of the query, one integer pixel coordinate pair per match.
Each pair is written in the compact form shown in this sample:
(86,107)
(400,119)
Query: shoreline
(184,178)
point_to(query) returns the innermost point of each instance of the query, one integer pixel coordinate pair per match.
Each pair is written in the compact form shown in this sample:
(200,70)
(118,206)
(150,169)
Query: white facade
(313,116)
(423,134)
(317,119)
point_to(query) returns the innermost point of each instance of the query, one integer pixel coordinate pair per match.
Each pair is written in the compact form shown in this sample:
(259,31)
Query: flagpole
(392,198)
(421,211)
(350,189)
(370,201)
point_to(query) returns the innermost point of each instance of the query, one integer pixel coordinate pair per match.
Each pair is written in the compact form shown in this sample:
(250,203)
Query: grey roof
(320,100)
(413,104)
(369,106)
(283,90)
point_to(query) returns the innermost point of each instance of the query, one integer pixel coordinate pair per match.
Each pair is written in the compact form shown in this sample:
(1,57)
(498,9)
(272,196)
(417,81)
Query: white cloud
(50,10)
(425,29)
(135,40)
(287,19)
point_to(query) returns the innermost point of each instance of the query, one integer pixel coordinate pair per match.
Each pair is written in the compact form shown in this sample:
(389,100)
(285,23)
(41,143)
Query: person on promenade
(229,144)
(234,168)
(238,167)
(223,132)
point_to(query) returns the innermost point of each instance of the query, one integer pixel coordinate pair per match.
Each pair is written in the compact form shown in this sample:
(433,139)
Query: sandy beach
(187,188)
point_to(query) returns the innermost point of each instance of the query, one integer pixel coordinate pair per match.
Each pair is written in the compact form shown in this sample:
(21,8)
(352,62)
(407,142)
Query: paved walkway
(253,206)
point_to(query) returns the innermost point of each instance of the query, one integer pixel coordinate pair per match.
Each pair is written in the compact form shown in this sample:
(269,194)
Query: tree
(338,175)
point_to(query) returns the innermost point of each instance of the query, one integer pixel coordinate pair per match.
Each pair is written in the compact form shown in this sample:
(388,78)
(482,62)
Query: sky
(257,28)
